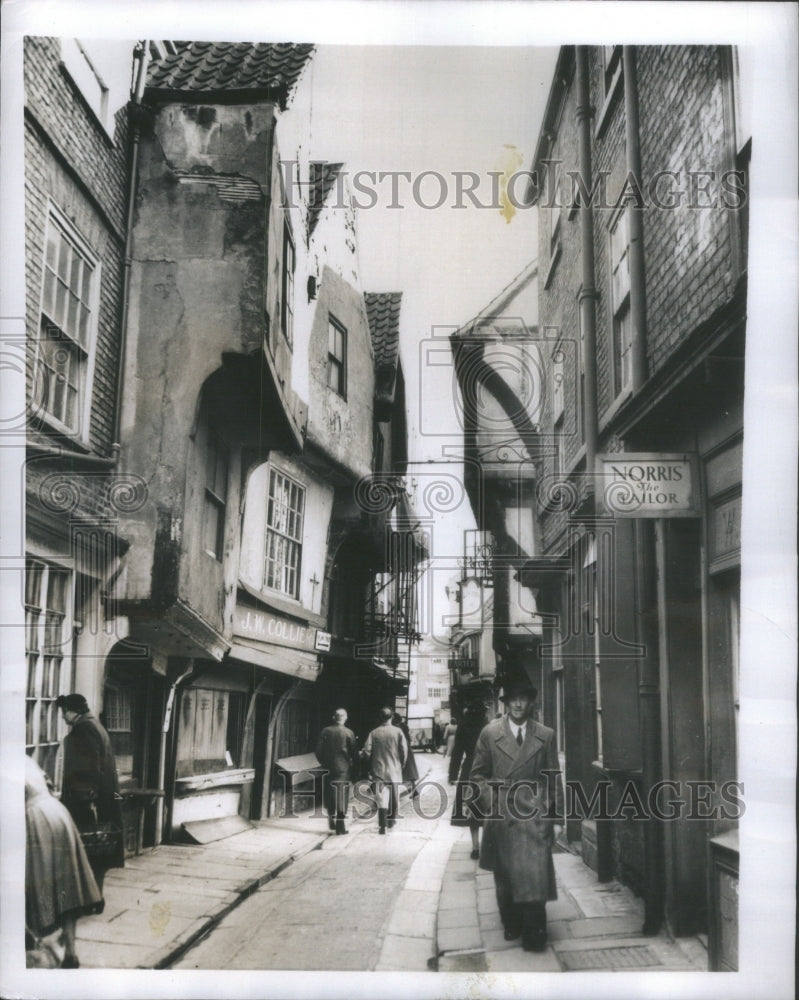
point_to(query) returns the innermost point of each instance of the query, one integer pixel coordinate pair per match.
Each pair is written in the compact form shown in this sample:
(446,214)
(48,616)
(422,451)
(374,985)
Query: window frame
(212,497)
(285,541)
(45,682)
(334,360)
(80,69)
(621,373)
(287,289)
(56,222)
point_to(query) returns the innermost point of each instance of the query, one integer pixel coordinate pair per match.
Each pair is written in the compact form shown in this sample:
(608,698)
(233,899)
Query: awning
(282,659)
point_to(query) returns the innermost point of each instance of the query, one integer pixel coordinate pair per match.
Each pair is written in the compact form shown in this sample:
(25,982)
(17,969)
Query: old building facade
(634,457)
(233,397)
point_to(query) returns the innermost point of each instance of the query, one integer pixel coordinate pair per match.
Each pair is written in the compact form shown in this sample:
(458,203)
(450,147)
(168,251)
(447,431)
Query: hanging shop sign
(648,484)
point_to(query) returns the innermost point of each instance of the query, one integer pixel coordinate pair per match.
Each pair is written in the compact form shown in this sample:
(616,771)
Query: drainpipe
(588,293)
(636,220)
(170,703)
(142,59)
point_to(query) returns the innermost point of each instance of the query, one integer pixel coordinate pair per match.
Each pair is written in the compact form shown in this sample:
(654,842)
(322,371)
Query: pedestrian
(385,750)
(59,884)
(460,766)
(337,752)
(410,772)
(521,822)
(90,786)
(449,738)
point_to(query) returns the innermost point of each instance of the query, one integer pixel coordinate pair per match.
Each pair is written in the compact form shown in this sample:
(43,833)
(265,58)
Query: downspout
(649,688)
(170,703)
(142,59)
(636,220)
(588,293)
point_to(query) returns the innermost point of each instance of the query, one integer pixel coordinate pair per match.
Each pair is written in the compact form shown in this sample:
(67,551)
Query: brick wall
(70,160)
(688,254)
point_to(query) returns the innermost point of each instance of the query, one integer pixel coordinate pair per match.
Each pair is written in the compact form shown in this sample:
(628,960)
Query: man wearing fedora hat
(516,771)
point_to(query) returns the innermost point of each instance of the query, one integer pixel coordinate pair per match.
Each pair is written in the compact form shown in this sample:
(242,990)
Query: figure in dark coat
(460,766)
(521,824)
(386,750)
(410,772)
(90,786)
(337,752)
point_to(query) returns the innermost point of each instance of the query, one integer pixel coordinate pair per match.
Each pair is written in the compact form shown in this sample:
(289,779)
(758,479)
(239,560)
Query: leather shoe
(512,934)
(534,942)
(475,854)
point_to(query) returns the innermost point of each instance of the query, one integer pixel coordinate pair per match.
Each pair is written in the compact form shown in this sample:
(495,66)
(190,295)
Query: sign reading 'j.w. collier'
(647,485)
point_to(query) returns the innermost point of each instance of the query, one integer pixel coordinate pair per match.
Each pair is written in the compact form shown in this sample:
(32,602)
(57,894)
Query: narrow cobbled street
(414,901)
(362,902)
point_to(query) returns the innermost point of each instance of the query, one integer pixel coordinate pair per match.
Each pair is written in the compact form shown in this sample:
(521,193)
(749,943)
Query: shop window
(211,730)
(622,328)
(287,304)
(296,733)
(337,357)
(47,644)
(65,348)
(119,713)
(285,515)
(216,476)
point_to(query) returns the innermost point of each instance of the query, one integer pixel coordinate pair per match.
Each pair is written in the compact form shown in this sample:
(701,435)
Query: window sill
(216,779)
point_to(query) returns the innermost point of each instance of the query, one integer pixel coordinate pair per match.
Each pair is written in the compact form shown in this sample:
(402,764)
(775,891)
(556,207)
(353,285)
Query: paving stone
(558,930)
(422,901)
(404,954)
(458,938)
(562,908)
(518,960)
(457,918)
(409,923)
(605,926)
(490,921)
(457,898)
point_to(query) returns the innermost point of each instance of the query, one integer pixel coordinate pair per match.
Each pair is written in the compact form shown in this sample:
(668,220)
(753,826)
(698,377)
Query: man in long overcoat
(522,806)
(337,752)
(386,750)
(90,785)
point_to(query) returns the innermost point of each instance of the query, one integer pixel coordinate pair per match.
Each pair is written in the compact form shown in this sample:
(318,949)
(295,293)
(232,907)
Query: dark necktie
(519,737)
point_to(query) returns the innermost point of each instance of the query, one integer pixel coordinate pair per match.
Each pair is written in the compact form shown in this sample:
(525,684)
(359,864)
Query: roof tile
(229,66)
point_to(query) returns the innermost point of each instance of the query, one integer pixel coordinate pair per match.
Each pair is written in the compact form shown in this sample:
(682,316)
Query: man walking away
(512,754)
(386,750)
(337,752)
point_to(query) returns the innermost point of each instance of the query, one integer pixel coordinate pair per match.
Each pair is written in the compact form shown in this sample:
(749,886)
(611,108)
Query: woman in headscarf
(59,884)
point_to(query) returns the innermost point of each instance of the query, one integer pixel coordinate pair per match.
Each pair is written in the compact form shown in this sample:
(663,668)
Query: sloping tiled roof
(383,311)
(323,177)
(229,67)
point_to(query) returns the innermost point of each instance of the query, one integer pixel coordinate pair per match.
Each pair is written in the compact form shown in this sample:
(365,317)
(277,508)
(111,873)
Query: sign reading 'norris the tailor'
(647,485)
